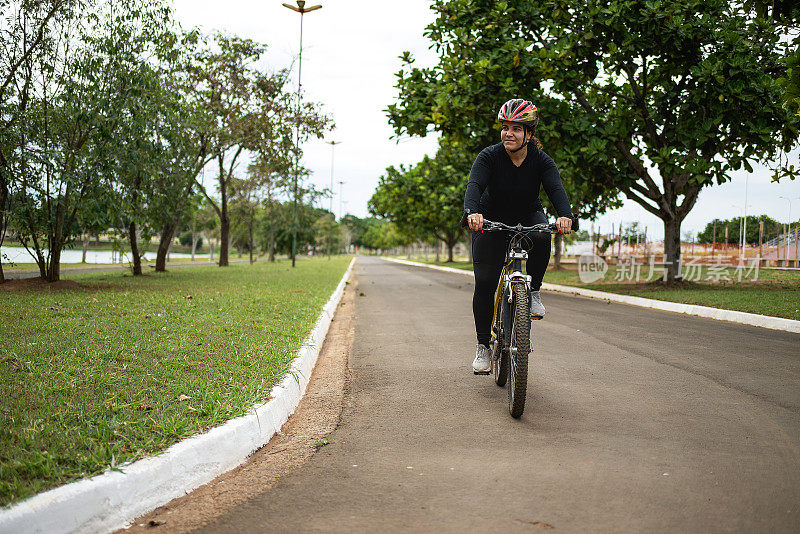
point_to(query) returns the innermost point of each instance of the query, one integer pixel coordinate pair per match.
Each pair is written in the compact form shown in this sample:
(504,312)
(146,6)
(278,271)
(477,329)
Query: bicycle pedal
(537,317)
(480,372)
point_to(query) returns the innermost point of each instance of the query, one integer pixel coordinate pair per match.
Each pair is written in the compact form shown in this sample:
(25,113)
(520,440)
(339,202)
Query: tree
(58,148)
(734,226)
(250,110)
(786,15)
(185,127)
(663,98)
(427,199)
(279,223)
(328,232)
(265,179)
(23,36)
(379,234)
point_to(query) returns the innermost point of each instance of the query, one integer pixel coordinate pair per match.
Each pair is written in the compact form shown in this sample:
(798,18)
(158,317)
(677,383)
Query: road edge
(112,500)
(752,319)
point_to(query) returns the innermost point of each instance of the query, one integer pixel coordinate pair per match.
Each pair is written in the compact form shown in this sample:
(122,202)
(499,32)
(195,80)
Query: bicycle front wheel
(519,348)
(499,362)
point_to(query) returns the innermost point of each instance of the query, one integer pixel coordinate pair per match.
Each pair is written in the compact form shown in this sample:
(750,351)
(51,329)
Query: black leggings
(488,253)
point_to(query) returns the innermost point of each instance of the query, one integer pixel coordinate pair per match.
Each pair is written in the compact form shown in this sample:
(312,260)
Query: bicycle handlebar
(492,226)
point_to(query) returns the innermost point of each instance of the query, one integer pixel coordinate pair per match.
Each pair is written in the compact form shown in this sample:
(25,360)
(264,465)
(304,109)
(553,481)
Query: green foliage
(276,219)
(76,92)
(373,233)
(328,233)
(734,226)
(426,200)
(652,99)
(110,113)
(633,232)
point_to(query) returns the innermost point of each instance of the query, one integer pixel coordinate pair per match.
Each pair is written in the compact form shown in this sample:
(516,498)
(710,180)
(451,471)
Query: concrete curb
(752,319)
(113,499)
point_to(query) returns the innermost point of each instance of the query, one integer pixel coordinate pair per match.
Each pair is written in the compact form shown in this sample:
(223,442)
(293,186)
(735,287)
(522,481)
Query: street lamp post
(341,213)
(742,241)
(302,9)
(744,222)
(333,144)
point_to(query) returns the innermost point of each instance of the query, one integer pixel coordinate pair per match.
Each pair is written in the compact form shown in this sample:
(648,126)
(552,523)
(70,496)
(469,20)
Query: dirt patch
(39,284)
(302,435)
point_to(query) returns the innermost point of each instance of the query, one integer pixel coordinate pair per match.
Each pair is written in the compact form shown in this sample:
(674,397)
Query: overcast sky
(350,56)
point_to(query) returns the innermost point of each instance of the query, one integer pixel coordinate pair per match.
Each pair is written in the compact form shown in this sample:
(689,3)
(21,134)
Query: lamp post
(333,144)
(744,223)
(742,240)
(341,213)
(302,9)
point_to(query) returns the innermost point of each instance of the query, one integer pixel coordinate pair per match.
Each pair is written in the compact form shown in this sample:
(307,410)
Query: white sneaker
(537,308)
(483,361)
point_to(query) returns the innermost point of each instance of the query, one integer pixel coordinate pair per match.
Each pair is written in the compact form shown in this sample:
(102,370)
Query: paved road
(638,421)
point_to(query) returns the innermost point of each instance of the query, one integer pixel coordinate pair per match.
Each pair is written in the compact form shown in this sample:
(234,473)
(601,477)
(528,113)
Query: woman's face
(512,135)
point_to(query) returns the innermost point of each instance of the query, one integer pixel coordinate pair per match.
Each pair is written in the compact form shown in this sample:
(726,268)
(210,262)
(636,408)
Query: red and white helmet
(519,110)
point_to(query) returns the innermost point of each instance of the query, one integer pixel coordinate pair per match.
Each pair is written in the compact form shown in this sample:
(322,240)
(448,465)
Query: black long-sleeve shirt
(509,194)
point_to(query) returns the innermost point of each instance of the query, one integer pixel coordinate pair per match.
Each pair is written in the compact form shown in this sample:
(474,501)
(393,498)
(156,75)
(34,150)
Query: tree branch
(642,202)
(688,202)
(40,35)
(640,98)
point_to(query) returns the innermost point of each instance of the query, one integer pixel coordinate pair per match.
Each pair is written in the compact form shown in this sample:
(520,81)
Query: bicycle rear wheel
(519,348)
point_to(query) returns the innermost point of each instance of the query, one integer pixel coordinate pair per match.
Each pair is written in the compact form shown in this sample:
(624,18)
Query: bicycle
(511,319)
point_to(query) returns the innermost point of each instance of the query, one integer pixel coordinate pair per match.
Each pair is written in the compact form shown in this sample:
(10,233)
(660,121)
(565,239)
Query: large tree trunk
(271,240)
(54,269)
(672,250)
(137,261)
(87,237)
(194,239)
(557,251)
(3,220)
(252,245)
(167,232)
(451,244)
(224,236)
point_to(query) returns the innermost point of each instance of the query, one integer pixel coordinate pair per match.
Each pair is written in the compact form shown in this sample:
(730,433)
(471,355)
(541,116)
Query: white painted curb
(113,499)
(753,319)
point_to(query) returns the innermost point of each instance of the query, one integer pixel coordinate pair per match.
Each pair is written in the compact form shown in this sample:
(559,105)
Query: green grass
(118,368)
(773,292)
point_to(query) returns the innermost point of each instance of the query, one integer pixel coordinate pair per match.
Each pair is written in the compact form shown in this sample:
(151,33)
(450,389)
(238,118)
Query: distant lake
(20,255)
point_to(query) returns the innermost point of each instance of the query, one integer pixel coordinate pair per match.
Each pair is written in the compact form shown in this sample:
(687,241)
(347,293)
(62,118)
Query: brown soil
(315,417)
(39,284)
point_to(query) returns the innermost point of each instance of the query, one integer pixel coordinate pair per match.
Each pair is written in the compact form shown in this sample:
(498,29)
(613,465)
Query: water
(20,255)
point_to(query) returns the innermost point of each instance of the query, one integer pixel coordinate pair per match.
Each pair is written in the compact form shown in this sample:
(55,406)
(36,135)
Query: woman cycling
(504,186)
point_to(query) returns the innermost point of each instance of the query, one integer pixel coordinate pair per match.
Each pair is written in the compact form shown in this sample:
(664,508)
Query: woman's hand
(564,225)
(475,221)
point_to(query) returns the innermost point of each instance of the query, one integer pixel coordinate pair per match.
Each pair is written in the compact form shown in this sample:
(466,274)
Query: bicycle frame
(510,275)
(511,320)
(512,268)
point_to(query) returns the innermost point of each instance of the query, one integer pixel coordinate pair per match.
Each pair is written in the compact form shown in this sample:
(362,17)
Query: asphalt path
(637,420)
